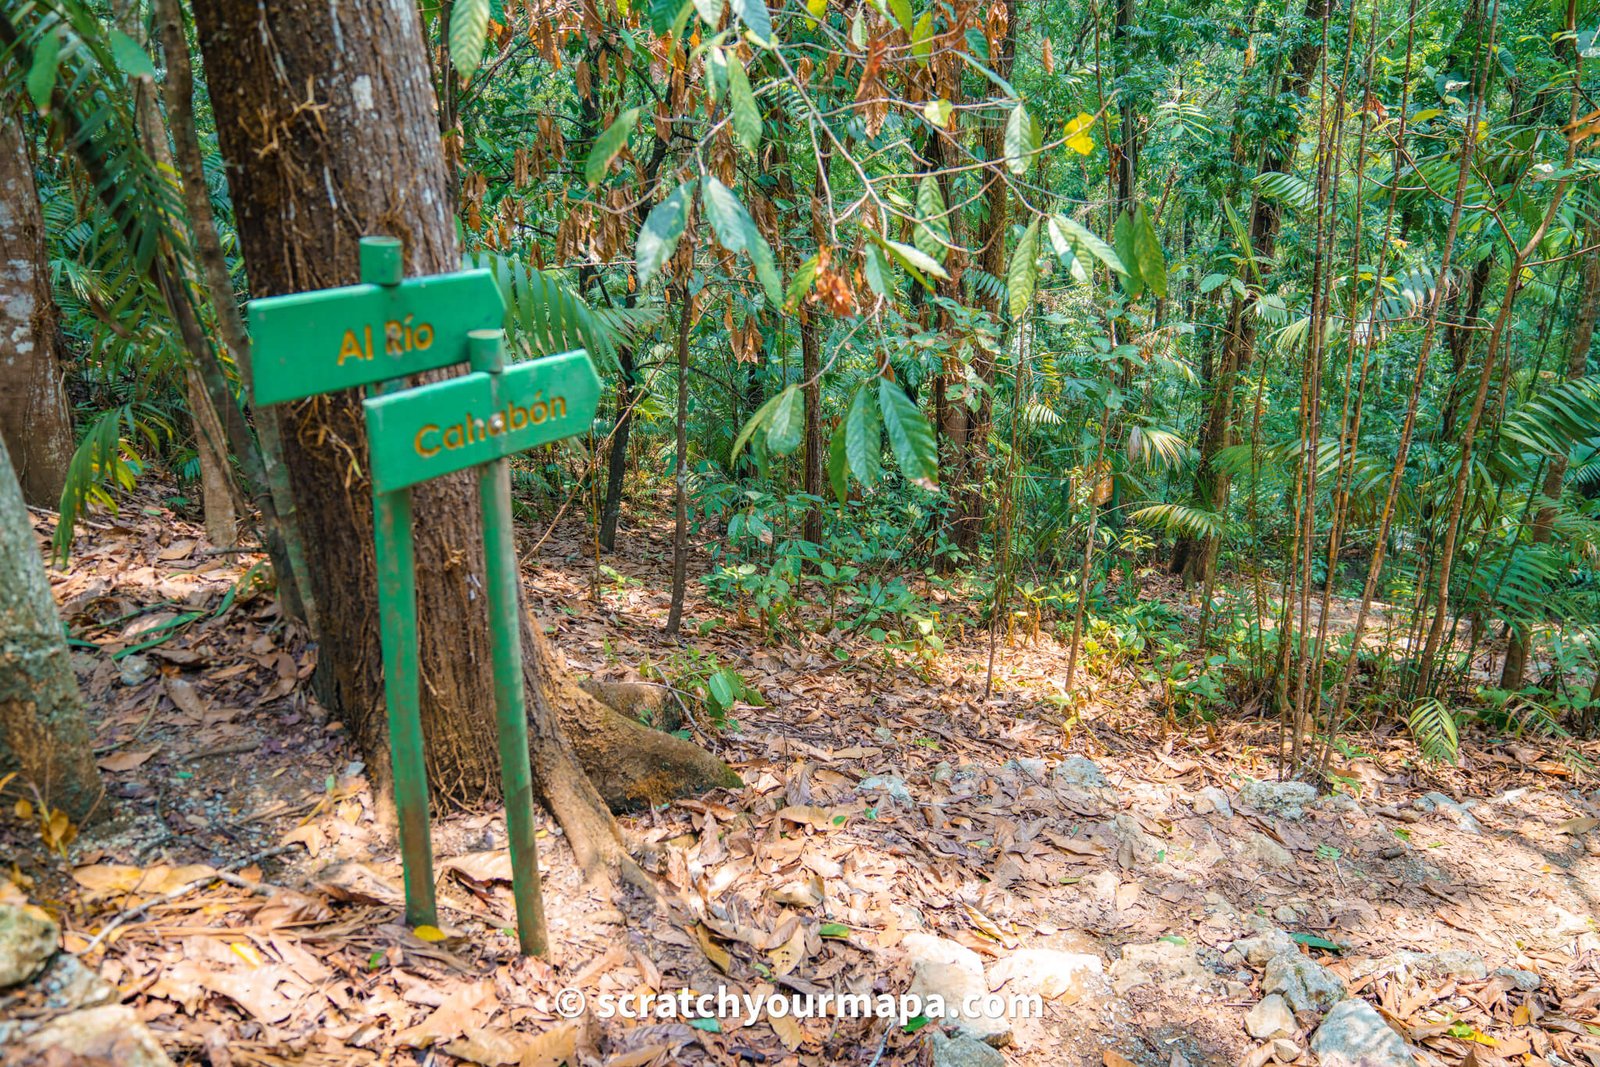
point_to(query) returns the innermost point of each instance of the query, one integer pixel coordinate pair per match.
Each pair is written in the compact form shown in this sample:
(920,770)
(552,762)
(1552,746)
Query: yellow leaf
(24,809)
(247,952)
(426,932)
(817,8)
(791,1033)
(714,952)
(1077,133)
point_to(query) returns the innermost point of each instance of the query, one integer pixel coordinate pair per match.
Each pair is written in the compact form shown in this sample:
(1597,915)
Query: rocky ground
(1168,900)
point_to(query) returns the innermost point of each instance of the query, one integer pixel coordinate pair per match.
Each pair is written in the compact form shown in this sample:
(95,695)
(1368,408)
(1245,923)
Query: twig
(223,875)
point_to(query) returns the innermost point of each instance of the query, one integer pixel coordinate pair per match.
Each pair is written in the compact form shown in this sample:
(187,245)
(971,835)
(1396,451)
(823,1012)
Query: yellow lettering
(423,449)
(351,349)
(453,437)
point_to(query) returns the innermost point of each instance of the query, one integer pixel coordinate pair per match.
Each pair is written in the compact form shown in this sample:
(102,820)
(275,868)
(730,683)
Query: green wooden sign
(309,343)
(451,425)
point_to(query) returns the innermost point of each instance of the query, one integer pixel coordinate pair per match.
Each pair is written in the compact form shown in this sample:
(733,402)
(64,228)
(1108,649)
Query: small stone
(1355,1035)
(943,772)
(954,973)
(1270,1019)
(1305,984)
(883,734)
(1526,981)
(27,941)
(1434,802)
(1286,1051)
(1213,800)
(1052,974)
(1285,913)
(1258,950)
(110,1034)
(135,669)
(892,784)
(1286,799)
(1080,772)
(962,1051)
(1265,851)
(1028,767)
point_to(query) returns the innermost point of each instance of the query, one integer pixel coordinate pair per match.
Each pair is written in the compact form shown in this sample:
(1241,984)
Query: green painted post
(505,635)
(382,264)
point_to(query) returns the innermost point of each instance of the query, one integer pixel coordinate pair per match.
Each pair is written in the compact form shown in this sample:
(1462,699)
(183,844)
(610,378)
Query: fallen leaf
(127,759)
(1580,825)
(177,550)
(107,879)
(787,956)
(427,932)
(491,1046)
(790,1032)
(1116,1059)
(638,1057)
(555,1046)
(714,952)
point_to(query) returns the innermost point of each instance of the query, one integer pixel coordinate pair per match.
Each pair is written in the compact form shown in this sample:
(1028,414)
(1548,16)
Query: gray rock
(1286,799)
(1051,973)
(884,734)
(1355,1035)
(943,772)
(134,669)
(1286,1051)
(109,1034)
(1305,984)
(1263,850)
(1258,950)
(892,784)
(27,941)
(1027,767)
(1435,802)
(1526,981)
(1271,1019)
(953,972)
(962,1051)
(68,985)
(1213,800)
(1080,772)
(1164,962)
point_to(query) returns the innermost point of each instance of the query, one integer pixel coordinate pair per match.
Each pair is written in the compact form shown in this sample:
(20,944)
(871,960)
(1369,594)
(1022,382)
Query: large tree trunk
(42,729)
(1511,675)
(35,420)
(1196,558)
(307,183)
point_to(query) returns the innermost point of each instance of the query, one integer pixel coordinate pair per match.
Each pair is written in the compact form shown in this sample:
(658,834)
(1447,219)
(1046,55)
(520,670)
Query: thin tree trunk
(34,417)
(680,474)
(307,184)
(1511,675)
(43,733)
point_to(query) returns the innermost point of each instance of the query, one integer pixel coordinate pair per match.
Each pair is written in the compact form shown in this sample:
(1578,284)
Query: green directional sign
(451,425)
(317,342)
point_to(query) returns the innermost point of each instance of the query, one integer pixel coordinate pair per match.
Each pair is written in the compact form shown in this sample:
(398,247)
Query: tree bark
(326,118)
(1511,674)
(680,474)
(43,732)
(35,420)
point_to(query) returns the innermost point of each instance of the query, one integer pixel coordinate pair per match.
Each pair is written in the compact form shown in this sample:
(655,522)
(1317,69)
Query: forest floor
(1123,866)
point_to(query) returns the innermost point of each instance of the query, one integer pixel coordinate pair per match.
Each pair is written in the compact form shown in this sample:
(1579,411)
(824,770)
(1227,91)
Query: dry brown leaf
(1581,825)
(185,697)
(177,550)
(555,1046)
(638,1057)
(1116,1059)
(491,1046)
(463,1011)
(714,952)
(127,759)
(107,879)
(790,1032)
(787,956)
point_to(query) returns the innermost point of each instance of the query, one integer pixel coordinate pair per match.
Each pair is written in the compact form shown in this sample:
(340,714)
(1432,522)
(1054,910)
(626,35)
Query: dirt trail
(884,801)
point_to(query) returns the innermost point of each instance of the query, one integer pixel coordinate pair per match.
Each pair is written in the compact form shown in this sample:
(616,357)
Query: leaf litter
(248,909)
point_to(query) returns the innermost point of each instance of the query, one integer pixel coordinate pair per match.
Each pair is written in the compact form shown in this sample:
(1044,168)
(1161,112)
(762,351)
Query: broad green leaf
(838,465)
(746,116)
(1068,236)
(736,231)
(658,238)
(858,28)
(805,275)
(901,11)
(133,60)
(910,435)
(1122,235)
(932,235)
(877,270)
(915,262)
(750,427)
(663,13)
(42,74)
(863,441)
(710,12)
(786,428)
(754,15)
(1147,246)
(1022,276)
(717,74)
(938,112)
(922,38)
(608,144)
(469,33)
(1021,141)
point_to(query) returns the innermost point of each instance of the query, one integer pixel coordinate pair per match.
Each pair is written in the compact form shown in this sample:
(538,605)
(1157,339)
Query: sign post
(374,334)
